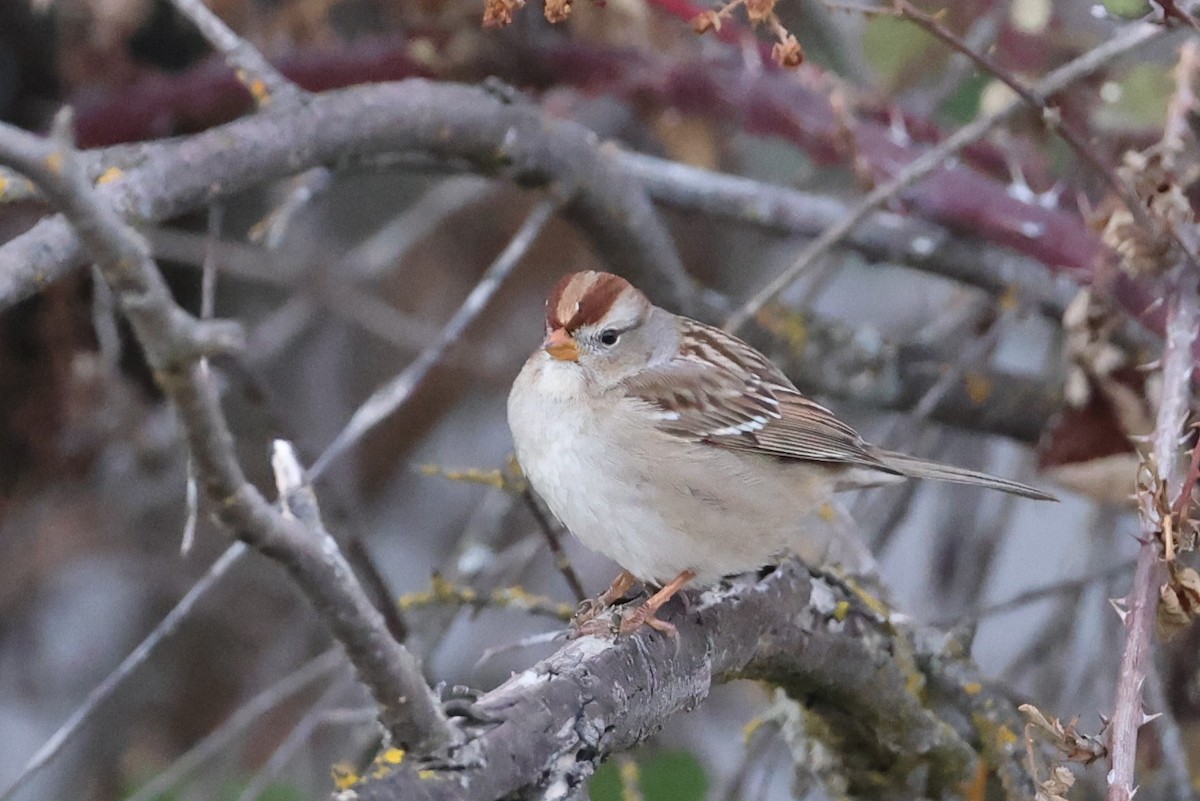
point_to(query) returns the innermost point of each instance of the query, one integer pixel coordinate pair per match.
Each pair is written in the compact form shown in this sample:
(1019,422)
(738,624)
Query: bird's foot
(591,608)
(644,615)
(593,627)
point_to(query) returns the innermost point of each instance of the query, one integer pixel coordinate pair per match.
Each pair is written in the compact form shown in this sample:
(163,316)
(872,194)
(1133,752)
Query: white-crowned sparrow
(679,451)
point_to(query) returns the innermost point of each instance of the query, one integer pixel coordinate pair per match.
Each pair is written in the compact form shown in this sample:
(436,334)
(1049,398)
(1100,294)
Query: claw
(645,615)
(590,608)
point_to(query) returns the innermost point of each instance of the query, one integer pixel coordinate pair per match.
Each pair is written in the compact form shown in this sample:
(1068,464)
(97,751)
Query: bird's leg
(645,614)
(594,606)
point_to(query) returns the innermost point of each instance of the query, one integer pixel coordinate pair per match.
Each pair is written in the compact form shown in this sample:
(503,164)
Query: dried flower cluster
(1074,747)
(786,51)
(498,13)
(1178,528)
(1149,247)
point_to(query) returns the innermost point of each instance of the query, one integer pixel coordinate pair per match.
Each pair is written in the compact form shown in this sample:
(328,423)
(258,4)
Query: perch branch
(855,667)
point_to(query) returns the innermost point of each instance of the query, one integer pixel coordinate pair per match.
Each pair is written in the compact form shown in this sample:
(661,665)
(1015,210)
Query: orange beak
(561,346)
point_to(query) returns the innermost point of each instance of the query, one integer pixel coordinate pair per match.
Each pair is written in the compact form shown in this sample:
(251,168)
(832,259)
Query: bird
(679,451)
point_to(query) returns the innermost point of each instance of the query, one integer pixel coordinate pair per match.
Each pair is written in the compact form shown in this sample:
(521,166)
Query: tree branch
(175,343)
(347,127)
(854,666)
(935,158)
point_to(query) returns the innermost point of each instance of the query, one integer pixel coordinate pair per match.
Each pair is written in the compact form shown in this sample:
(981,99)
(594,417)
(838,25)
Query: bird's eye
(609,337)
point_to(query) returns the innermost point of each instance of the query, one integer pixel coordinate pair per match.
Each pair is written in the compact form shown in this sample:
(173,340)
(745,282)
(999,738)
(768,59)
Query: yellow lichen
(1009,299)
(979,388)
(344,775)
(973,688)
(841,611)
(109,175)
(751,727)
(392,756)
(508,479)
(426,774)
(788,325)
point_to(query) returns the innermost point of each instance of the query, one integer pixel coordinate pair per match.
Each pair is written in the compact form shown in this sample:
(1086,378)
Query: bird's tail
(920,468)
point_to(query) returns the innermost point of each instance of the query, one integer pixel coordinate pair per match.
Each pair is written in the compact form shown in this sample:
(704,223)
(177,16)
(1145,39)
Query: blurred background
(360,279)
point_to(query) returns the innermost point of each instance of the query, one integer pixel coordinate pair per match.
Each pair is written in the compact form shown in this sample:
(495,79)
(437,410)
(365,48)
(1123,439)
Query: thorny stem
(1142,601)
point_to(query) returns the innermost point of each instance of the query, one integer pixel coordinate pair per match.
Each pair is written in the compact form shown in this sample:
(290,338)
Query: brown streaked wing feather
(722,392)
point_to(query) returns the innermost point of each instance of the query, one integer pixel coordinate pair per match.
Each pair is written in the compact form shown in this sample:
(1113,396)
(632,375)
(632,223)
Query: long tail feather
(920,468)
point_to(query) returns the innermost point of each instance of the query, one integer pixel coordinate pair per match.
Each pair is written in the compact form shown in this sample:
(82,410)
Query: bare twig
(296,738)
(552,534)
(385,400)
(174,344)
(1132,37)
(377,586)
(407,706)
(1059,587)
(1076,139)
(208,304)
(266,84)
(220,738)
(102,691)
(1142,600)
(882,235)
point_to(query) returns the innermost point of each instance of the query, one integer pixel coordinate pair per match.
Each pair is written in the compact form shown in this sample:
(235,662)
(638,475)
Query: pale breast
(654,504)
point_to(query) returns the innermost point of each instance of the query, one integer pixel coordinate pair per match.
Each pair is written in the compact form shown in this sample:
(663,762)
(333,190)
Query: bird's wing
(723,392)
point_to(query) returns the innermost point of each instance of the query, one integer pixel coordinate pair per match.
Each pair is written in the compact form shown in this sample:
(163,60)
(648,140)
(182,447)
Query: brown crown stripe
(582,299)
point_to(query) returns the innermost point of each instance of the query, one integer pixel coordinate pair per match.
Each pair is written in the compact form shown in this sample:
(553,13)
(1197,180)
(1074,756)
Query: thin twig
(208,305)
(291,744)
(174,343)
(102,691)
(1074,138)
(1027,597)
(1132,37)
(551,532)
(264,82)
(408,707)
(882,235)
(220,738)
(389,397)
(376,585)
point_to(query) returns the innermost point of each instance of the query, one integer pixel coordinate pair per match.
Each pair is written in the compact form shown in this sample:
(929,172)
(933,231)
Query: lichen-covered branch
(884,686)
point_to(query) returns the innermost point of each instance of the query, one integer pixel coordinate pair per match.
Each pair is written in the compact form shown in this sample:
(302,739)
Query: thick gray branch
(163,180)
(877,683)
